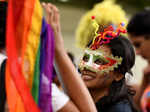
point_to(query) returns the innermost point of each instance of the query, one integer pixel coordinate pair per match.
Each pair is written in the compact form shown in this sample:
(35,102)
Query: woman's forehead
(102,50)
(94,52)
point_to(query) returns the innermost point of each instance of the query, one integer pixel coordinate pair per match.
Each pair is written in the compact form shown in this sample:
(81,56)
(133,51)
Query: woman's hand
(52,18)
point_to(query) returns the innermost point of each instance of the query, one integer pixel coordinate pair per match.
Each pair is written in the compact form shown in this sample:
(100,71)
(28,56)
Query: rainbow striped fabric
(30,51)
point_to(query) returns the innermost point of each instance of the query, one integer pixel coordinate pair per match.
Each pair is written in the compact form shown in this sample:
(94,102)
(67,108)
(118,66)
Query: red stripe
(15,8)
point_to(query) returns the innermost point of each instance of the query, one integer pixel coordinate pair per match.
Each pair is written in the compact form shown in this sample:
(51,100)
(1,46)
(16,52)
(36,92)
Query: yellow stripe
(32,44)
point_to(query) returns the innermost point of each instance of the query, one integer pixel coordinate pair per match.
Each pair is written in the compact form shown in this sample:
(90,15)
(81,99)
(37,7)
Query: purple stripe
(42,54)
(46,67)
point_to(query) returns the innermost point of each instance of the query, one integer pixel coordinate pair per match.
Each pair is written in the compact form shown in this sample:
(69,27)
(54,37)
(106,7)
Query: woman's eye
(86,58)
(100,62)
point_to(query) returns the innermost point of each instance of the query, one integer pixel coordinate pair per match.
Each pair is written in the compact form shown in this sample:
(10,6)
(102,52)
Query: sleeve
(59,98)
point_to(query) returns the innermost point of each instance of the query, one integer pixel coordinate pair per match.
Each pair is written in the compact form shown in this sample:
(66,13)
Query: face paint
(96,61)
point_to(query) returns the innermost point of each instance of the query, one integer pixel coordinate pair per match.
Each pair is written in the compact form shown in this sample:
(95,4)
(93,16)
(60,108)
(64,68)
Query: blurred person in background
(139,32)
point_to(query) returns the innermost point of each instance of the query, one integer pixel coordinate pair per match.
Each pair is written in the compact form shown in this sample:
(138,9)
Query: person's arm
(73,83)
(77,91)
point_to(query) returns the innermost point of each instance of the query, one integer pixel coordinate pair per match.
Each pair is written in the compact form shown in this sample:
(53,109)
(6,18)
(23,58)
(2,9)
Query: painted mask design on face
(97,61)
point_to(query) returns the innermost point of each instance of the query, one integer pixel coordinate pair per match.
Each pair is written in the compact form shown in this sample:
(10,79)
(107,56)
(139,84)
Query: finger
(56,15)
(44,5)
(55,11)
(51,12)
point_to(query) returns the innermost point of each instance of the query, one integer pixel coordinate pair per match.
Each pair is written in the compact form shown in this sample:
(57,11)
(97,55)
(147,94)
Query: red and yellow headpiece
(108,34)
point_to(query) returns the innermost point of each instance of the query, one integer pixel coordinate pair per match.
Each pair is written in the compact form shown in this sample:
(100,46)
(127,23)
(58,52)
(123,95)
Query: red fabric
(16,34)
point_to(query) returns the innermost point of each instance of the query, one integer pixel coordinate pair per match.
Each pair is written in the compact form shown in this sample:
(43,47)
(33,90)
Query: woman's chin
(90,83)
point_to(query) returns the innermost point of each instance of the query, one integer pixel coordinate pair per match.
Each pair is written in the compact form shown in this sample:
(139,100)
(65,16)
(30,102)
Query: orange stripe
(18,25)
(15,101)
(32,44)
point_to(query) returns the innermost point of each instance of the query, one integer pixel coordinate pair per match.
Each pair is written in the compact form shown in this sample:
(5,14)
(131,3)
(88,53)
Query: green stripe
(36,79)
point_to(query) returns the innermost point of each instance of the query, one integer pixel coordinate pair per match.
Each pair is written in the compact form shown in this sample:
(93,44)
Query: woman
(107,84)
(109,87)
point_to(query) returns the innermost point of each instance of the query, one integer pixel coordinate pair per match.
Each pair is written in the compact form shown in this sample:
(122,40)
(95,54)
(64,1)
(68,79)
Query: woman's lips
(88,75)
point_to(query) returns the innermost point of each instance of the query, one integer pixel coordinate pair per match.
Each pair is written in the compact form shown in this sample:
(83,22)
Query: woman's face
(142,46)
(97,67)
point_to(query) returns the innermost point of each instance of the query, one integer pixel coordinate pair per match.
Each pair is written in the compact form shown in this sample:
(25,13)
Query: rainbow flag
(30,51)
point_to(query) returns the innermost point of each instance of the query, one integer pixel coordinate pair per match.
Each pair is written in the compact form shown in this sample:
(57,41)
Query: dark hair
(122,47)
(119,91)
(139,24)
(3,11)
(71,56)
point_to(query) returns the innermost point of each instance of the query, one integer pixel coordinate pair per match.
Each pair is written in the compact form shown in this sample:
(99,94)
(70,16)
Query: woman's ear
(118,76)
